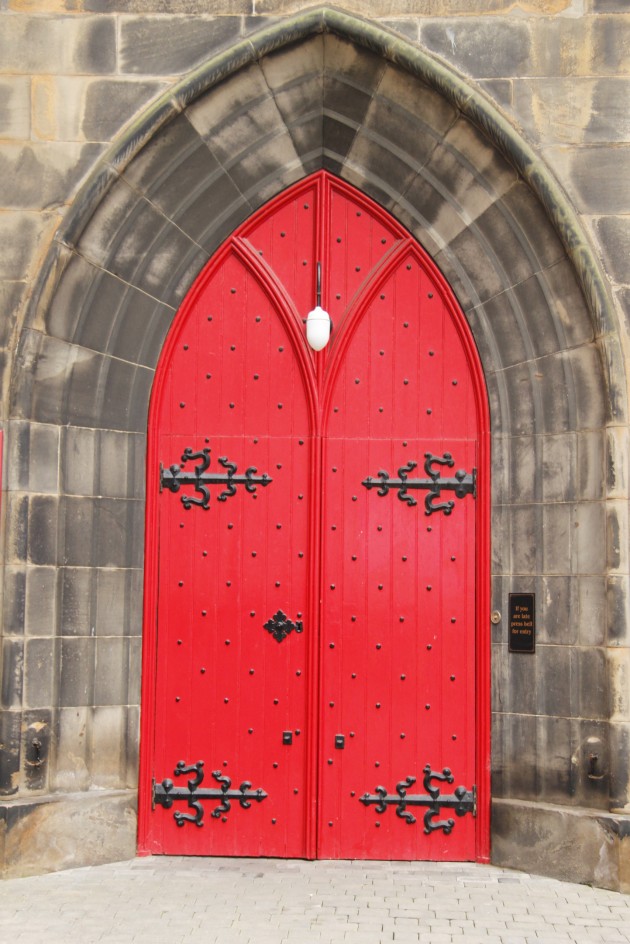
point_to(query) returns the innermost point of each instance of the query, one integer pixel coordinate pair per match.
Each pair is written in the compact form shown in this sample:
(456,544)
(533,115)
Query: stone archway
(325,90)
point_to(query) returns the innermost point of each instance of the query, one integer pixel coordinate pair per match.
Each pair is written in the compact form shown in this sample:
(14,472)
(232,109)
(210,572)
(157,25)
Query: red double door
(310,661)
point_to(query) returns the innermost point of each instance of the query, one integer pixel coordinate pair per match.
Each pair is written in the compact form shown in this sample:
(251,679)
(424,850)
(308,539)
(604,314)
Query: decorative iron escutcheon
(280,626)
(463,483)
(175,476)
(166,793)
(462,801)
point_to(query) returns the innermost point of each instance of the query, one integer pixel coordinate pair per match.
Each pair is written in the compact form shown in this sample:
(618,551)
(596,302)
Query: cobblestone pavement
(263,901)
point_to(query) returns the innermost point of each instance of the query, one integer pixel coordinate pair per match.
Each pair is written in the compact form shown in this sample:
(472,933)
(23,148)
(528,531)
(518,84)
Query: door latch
(340,742)
(287,737)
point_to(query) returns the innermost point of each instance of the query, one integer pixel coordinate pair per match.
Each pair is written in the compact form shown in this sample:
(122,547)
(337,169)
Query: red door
(315,551)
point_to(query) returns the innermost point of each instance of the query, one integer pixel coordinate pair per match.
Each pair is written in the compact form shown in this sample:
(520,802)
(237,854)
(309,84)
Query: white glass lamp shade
(318,328)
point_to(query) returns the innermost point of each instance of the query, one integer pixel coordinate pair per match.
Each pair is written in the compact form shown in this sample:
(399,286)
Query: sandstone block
(169,45)
(21,233)
(618,611)
(75,108)
(483,48)
(597,178)
(613,233)
(15,107)
(57,44)
(39,175)
(33,457)
(54,833)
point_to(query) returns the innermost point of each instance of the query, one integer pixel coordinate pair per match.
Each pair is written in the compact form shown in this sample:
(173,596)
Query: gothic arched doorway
(316,557)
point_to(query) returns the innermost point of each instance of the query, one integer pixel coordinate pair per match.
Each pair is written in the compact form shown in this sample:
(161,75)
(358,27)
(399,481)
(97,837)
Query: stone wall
(77,369)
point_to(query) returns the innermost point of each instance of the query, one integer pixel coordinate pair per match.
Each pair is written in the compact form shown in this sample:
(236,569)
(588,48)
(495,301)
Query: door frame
(482,562)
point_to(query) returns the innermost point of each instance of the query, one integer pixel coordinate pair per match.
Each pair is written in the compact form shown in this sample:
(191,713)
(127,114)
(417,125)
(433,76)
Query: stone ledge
(587,846)
(55,832)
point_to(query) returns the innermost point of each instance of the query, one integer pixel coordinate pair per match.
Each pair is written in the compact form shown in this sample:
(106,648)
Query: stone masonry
(135,135)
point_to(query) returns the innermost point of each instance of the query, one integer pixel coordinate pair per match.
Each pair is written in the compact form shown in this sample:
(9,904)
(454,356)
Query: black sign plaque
(522,622)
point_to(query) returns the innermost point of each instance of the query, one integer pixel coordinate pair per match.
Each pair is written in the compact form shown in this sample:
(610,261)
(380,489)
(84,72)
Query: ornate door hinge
(175,476)
(462,801)
(166,793)
(463,483)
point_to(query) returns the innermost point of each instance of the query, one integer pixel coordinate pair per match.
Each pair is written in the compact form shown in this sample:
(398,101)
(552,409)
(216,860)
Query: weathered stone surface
(102,462)
(11,295)
(559,613)
(34,523)
(170,45)
(376,8)
(76,675)
(588,546)
(111,671)
(613,233)
(101,602)
(29,604)
(620,777)
(33,457)
(295,77)
(526,557)
(59,833)
(481,48)
(395,137)
(618,666)
(43,175)
(514,763)
(21,234)
(99,311)
(559,468)
(554,742)
(244,130)
(131,239)
(118,524)
(75,108)
(40,666)
(598,178)
(196,7)
(616,536)
(11,738)
(64,383)
(109,746)
(548,46)
(12,672)
(37,728)
(617,611)
(15,107)
(57,44)
(178,173)
(568,844)
(573,110)
(591,463)
(49,531)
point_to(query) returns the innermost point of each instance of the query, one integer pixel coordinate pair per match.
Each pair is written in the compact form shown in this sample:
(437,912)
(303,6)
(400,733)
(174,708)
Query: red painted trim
(319,372)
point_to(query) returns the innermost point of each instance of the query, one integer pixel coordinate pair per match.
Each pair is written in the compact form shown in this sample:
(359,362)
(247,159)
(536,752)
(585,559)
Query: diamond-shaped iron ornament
(280,626)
